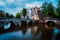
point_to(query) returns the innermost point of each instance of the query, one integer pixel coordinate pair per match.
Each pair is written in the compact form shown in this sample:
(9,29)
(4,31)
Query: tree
(2,14)
(24,11)
(58,9)
(50,9)
(7,15)
(18,15)
(11,16)
(44,8)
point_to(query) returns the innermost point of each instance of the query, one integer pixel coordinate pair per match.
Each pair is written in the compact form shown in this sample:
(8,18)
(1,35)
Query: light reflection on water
(17,35)
(20,35)
(55,33)
(7,26)
(33,32)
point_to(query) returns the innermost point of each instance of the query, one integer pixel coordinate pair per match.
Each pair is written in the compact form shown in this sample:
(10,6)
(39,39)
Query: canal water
(29,32)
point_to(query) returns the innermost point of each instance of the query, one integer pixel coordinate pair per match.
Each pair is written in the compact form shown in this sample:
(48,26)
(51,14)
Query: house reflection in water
(25,32)
(30,32)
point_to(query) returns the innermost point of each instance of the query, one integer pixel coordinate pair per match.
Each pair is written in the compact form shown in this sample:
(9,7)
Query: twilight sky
(13,6)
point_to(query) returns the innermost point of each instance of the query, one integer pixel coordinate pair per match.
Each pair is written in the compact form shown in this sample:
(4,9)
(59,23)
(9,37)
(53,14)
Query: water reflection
(7,25)
(23,28)
(29,32)
(34,29)
(56,34)
(25,32)
(1,25)
(36,32)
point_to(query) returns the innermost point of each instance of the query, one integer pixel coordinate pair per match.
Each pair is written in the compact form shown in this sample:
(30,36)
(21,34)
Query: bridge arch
(50,23)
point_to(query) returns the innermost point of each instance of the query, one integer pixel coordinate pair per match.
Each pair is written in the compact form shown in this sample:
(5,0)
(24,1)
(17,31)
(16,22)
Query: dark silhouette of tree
(50,9)
(7,15)
(24,11)
(18,15)
(2,14)
(11,16)
(44,8)
(58,9)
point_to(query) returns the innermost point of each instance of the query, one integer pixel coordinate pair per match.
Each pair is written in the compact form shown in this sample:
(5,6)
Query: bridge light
(35,17)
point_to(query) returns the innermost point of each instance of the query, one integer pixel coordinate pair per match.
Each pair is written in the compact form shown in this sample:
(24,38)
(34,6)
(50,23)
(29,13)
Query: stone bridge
(17,21)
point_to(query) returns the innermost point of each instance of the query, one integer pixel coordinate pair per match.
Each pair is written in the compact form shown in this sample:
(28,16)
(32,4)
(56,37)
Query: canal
(29,32)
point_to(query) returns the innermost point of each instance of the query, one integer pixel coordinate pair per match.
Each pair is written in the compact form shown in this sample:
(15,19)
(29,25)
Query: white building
(33,13)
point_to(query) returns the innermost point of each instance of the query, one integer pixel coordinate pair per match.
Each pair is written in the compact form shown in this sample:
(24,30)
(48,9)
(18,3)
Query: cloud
(20,0)
(34,4)
(2,3)
(10,6)
(9,1)
(13,6)
(13,11)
